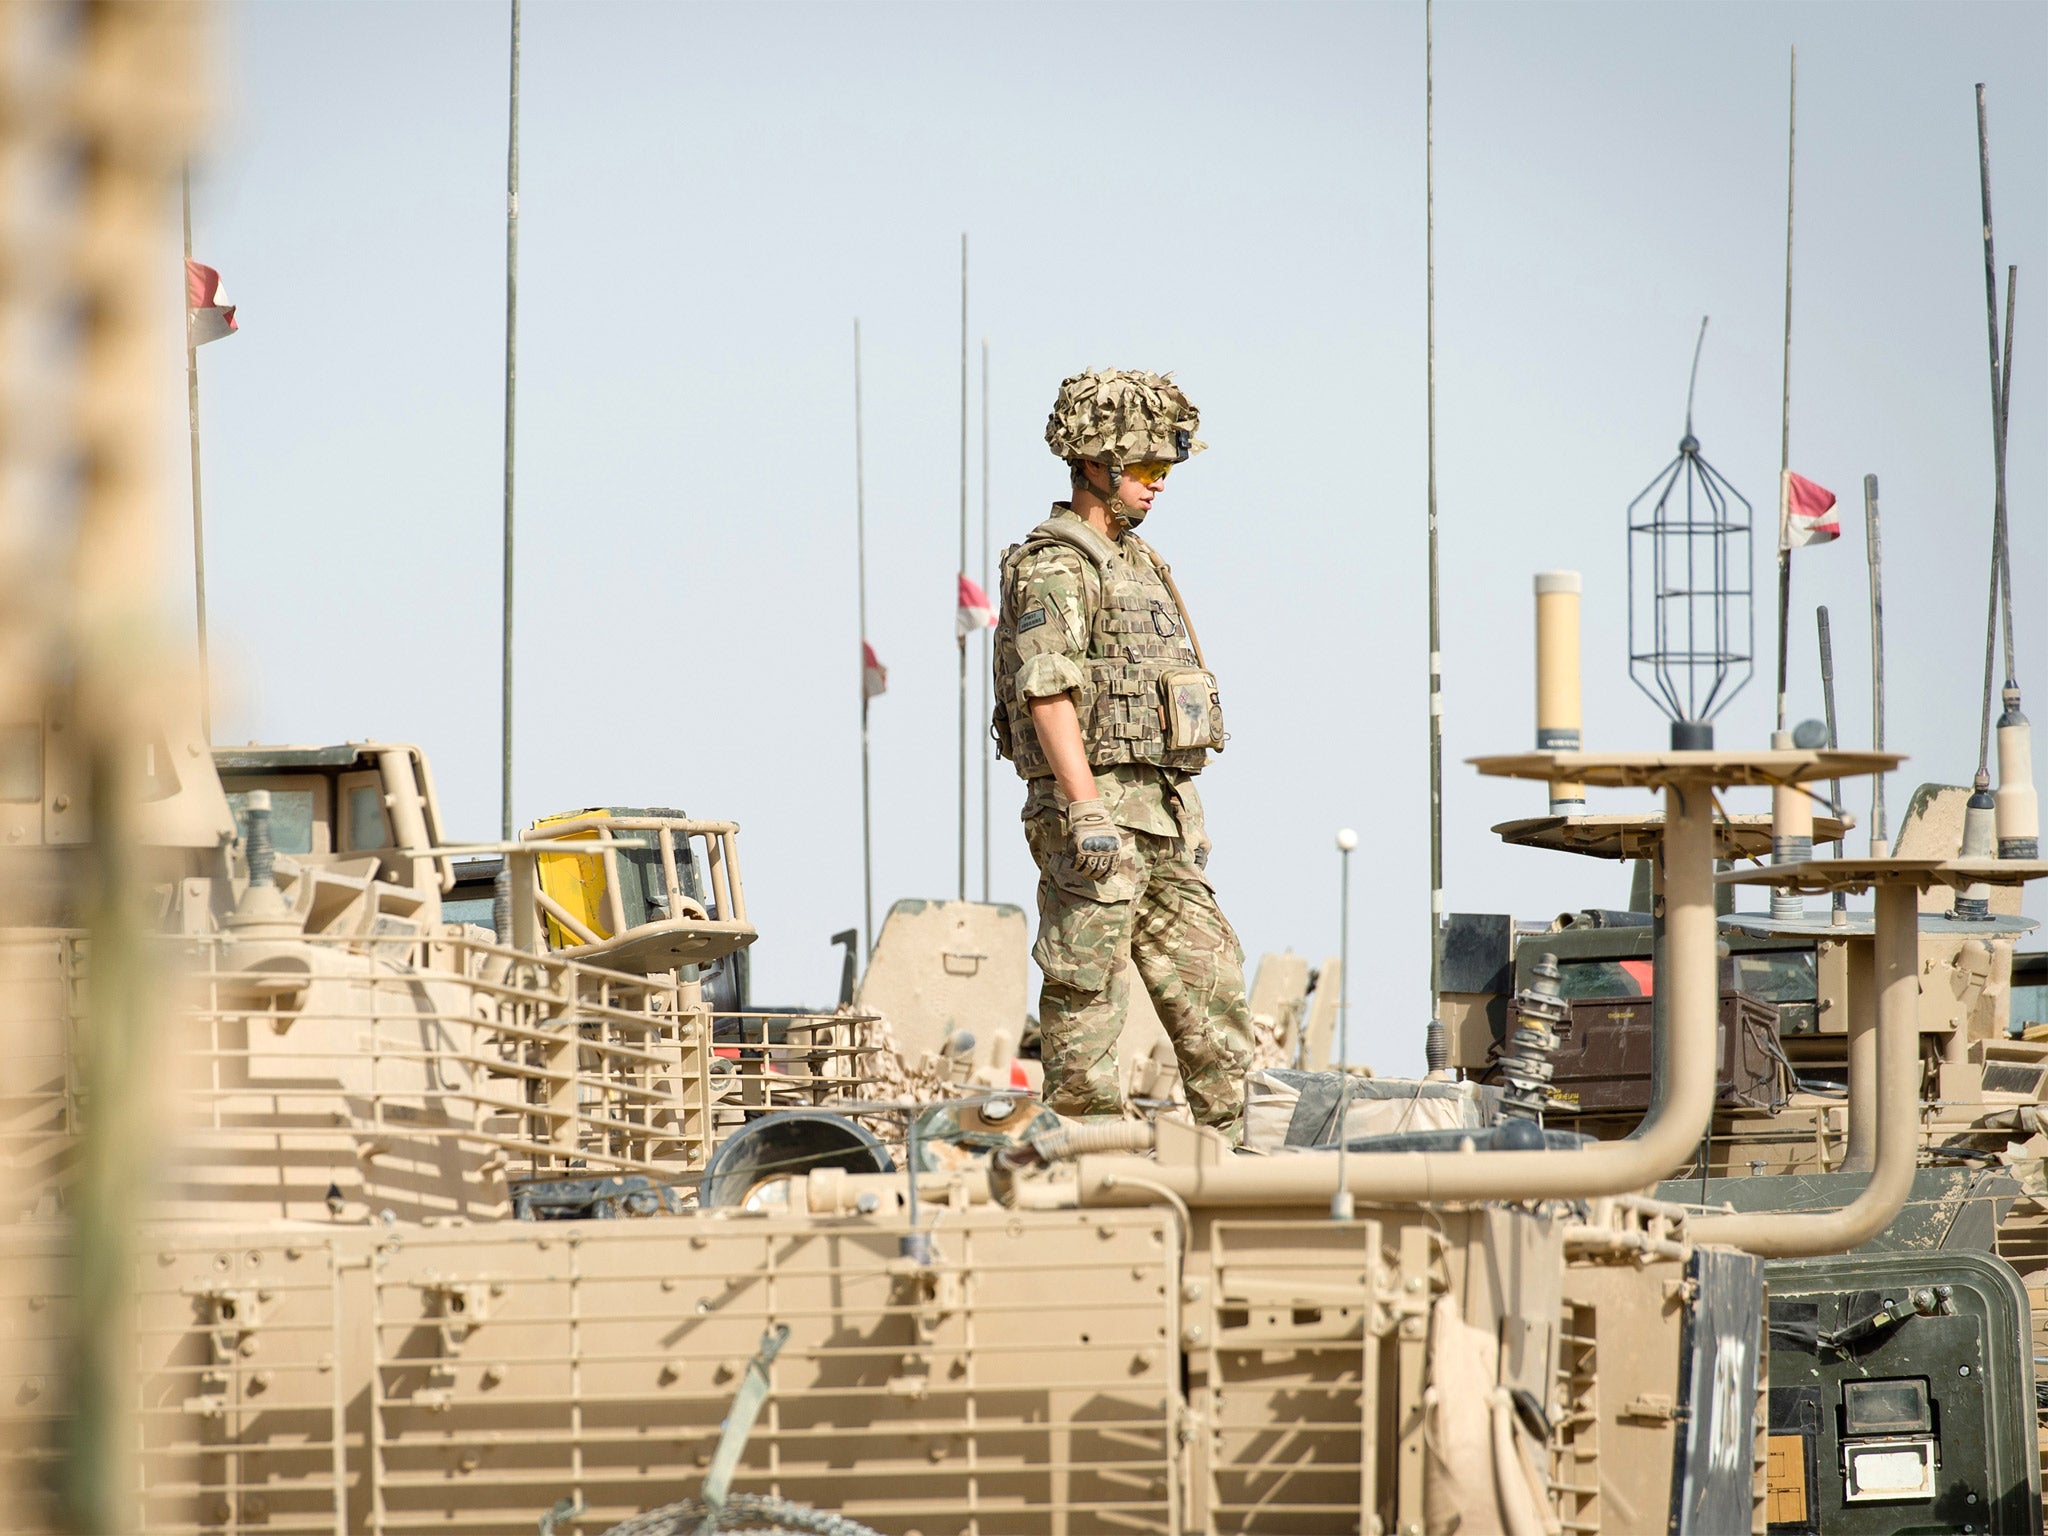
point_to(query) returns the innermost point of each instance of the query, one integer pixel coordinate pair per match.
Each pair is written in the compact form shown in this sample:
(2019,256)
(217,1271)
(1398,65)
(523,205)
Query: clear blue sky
(712,193)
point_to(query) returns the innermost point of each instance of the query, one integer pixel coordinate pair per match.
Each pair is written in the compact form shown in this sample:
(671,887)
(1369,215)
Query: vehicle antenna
(2017,805)
(1880,842)
(2012,278)
(1827,696)
(1341,1205)
(1692,382)
(1691,624)
(1785,393)
(198,518)
(860,527)
(986,635)
(1436,660)
(2001,578)
(511,398)
(1997,445)
(962,633)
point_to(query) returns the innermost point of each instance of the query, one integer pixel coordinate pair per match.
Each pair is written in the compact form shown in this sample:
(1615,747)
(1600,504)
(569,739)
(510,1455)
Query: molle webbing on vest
(1136,633)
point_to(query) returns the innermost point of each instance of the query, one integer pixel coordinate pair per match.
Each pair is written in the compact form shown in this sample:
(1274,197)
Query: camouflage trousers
(1155,912)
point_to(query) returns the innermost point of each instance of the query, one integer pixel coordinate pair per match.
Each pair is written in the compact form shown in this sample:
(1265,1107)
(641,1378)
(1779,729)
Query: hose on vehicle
(1073,1139)
(745,1514)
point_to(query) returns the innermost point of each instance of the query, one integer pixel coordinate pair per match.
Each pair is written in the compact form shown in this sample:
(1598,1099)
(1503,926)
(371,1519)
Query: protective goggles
(1149,471)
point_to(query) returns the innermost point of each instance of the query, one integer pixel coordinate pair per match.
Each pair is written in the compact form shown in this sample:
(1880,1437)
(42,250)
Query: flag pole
(860,526)
(985,701)
(961,632)
(198,517)
(1436,683)
(1785,393)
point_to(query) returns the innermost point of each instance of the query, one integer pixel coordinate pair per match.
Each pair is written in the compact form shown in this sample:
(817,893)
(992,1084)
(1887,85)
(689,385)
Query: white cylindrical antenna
(1980,841)
(2017,808)
(1559,708)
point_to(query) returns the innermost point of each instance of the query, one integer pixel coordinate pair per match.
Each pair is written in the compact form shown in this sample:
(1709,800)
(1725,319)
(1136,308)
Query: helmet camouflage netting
(1121,416)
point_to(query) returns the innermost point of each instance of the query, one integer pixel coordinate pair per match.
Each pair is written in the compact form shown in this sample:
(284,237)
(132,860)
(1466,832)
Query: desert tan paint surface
(978,982)
(1053,1371)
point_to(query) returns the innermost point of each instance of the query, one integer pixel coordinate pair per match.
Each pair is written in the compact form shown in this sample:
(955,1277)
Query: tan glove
(1095,840)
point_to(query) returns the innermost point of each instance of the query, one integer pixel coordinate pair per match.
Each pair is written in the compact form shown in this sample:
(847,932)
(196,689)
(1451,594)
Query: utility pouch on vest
(1194,715)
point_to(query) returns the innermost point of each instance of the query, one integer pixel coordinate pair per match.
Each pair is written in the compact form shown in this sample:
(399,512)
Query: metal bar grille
(418,1075)
(604,1362)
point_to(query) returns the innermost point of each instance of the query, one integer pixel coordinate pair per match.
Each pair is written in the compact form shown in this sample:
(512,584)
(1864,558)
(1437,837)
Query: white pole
(1341,1204)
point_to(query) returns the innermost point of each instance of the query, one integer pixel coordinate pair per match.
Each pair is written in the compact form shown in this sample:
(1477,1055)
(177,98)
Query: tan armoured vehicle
(345,1323)
(1793,1127)
(285,1258)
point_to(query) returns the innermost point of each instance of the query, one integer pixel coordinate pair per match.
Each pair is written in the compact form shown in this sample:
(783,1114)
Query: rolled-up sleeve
(1047,675)
(1052,630)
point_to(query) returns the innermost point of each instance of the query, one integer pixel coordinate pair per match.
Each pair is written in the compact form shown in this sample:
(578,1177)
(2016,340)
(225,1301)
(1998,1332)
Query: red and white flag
(975,610)
(206,317)
(1806,513)
(874,677)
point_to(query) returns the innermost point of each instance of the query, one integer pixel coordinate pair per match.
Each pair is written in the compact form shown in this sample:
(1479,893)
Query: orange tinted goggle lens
(1149,472)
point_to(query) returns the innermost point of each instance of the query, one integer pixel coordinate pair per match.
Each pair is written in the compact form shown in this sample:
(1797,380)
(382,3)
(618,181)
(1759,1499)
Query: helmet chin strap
(1126,518)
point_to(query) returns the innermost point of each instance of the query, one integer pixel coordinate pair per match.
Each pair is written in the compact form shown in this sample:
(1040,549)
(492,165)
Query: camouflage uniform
(1156,909)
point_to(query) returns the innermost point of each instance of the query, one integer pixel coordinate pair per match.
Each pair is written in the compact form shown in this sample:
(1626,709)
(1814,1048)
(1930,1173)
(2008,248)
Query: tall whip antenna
(1785,395)
(1692,384)
(511,400)
(860,526)
(963,568)
(2016,808)
(2001,387)
(1436,660)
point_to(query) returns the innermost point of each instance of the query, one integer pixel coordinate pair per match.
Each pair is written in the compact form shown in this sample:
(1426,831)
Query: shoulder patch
(1031,620)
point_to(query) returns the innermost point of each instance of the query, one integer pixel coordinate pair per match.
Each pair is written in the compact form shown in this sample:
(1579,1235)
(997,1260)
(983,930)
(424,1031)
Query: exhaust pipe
(1806,1234)
(1559,708)
(1667,1140)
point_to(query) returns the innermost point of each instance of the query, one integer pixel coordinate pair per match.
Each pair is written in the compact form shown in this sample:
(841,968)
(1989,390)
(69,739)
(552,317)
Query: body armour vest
(1140,657)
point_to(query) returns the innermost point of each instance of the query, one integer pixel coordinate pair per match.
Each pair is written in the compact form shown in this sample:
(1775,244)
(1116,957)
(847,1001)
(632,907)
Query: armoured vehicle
(343,1212)
(1795,1080)
(1780,1140)
(381,1291)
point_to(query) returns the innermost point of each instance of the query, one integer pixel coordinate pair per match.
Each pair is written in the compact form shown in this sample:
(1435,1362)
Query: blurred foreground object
(97,113)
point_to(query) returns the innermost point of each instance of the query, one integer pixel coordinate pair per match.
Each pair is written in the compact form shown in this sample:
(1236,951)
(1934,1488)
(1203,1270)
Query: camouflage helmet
(1121,416)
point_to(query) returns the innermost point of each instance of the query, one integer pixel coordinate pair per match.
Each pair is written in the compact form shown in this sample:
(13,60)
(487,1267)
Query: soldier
(1106,708)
